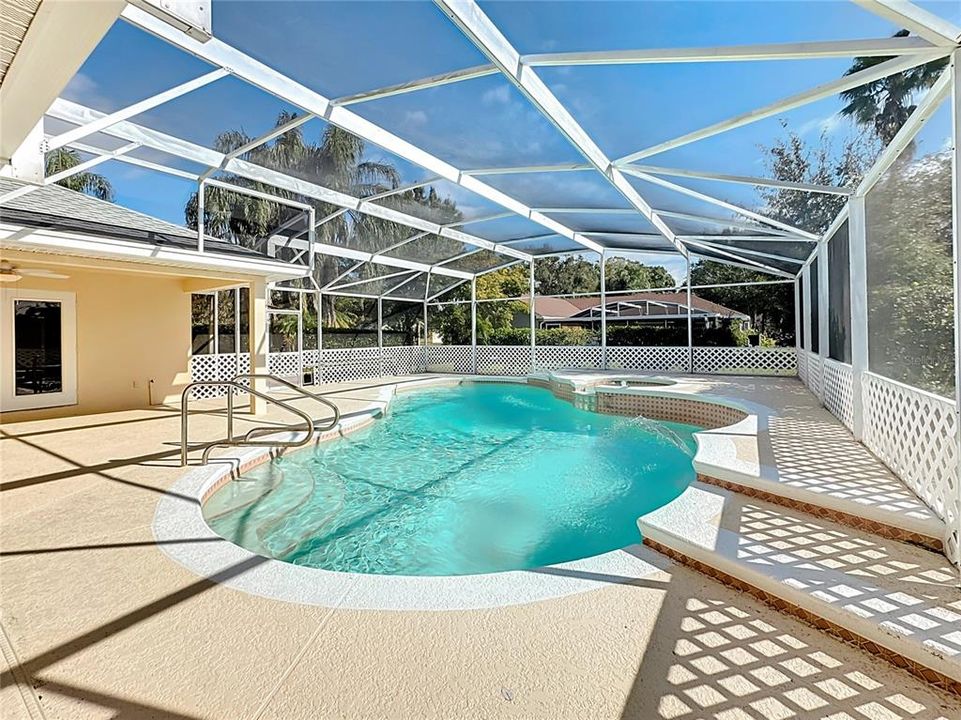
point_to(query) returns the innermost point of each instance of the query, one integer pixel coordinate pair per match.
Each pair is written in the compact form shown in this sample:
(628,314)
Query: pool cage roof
(588,188)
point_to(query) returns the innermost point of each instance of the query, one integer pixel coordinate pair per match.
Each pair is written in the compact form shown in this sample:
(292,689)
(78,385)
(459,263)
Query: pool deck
(99,622)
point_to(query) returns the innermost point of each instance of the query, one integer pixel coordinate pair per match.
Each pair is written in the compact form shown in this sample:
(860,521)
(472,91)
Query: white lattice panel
(450,359)
(286,365)
(814,373)
(913,432)
(225,366)
(406,360)
(555,357)
(660,359)
(504,360)
(838,381)
(345,364)
(745,360)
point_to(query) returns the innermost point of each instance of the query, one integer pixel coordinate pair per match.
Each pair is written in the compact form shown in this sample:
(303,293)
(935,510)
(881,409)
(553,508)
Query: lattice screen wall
(838,380)
(913,432)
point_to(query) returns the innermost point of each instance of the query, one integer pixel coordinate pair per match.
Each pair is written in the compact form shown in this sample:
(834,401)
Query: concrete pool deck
(99,622)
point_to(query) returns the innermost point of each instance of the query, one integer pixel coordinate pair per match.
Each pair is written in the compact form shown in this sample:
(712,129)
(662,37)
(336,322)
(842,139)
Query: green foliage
(574,274)
(910,312)
(568,336)
(728,334)
(86,182)
(770,307)
(884,105)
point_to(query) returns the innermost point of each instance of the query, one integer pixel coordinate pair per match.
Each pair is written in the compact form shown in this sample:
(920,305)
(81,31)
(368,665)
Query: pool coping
(718,458)
(178,516)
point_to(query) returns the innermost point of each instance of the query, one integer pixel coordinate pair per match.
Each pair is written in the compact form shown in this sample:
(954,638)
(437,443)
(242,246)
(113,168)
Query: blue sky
(341,48)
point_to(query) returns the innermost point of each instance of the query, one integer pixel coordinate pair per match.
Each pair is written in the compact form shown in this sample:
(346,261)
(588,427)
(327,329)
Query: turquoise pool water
(472,479)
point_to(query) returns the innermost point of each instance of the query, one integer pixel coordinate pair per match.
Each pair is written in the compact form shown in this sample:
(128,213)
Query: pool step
(895,600)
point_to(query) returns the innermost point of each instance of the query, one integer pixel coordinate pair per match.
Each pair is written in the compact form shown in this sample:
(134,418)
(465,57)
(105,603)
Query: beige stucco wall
(132,327)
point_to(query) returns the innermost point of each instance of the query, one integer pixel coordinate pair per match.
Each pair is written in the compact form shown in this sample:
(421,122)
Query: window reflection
(37,342)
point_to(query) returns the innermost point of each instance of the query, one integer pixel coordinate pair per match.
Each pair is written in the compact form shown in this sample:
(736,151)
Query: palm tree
(90,183)
(885,104)
(337,161)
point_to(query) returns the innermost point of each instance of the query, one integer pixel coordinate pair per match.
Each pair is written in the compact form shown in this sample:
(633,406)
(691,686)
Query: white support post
(806,308)
(690,322)
(200,216)
(259,342)
(798,346)
(473,324)
(320,337)
(956,264)
(380,334)
(603,311)
(858,269)
(822,291)
(533,321)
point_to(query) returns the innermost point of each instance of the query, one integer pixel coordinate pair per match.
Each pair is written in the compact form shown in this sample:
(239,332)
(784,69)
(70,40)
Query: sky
(339,48)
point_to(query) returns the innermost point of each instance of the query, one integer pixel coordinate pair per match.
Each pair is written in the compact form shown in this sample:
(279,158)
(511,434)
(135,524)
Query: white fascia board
(921,22)
(743,180)
(256,73)
(881,47)
(829,89)
(22,238)
(477,27)
(75,113)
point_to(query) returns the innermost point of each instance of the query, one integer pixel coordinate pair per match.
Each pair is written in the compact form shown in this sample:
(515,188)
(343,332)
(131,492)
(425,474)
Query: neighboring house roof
(550,308)
(56,208)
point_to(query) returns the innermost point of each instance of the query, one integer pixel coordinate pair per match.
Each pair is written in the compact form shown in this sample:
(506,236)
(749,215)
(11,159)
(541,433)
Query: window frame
(9,400)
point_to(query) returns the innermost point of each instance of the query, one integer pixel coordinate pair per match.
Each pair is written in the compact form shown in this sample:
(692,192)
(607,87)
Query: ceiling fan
(12,273)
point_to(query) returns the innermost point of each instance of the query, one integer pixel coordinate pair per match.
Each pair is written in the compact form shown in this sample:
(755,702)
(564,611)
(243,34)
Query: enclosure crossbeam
(479,29)
(880,47)
(743,180)
(848,82)
(921,22)
(94,126)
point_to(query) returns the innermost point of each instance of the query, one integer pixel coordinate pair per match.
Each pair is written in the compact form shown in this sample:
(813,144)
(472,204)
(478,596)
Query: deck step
(895,600)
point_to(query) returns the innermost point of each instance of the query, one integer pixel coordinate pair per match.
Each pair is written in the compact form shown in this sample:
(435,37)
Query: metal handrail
(296,388)
(229,441)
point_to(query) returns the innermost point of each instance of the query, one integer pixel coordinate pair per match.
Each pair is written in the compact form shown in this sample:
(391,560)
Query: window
(40,367)
(219,321)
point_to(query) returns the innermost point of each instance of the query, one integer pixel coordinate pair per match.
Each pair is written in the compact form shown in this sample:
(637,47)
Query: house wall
(131,328)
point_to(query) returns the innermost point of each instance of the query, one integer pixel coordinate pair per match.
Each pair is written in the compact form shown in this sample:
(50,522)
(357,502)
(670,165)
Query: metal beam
(921,22)
(743,180)
(415,85)
(274,132)
(924,111)
(146,164)
(130,111)
(734,53)
(755,253)
(256,73)
(752,264)
(720,203)
(92,162)
(828,89)
(523,169)
(73,112)
(477,27)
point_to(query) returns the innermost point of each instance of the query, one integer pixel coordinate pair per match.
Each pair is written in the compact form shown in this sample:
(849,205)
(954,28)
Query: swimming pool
(477,478)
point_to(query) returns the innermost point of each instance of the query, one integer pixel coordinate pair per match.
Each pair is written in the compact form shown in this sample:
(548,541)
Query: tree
(568,275)
(793,159)
(771,307)
(86,182)
(884,105)
(624,274)
(337,159)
